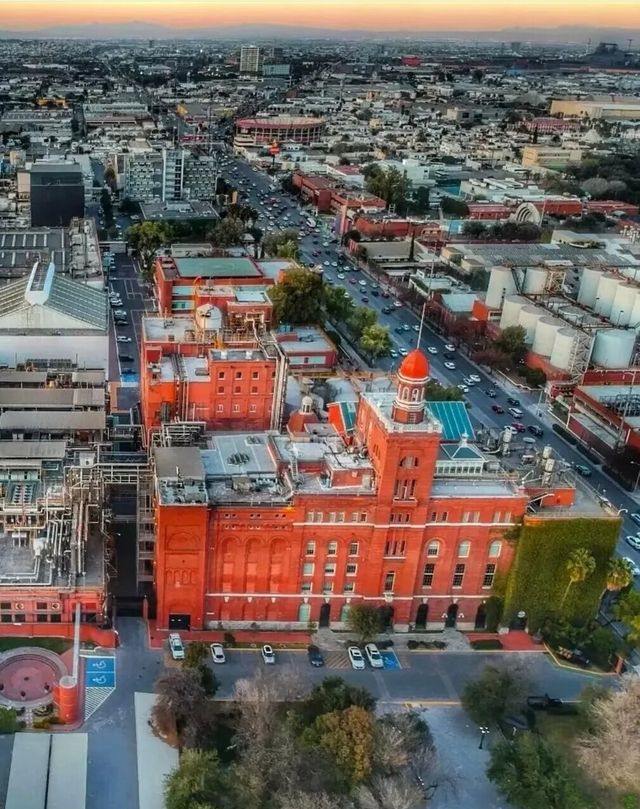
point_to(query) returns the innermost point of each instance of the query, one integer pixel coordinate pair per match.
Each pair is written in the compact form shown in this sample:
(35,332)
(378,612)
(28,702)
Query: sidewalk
(158,637)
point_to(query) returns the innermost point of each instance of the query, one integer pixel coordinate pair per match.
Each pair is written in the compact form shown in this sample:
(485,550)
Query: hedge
(538,576)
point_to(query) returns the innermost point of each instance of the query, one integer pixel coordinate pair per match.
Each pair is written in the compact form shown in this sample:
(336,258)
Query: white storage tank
(511,310)
(545,335)
(607,288)
(563,346)
(588,290)
(534,280)
(613,348)
(623,304)
(528,319)
(501,285)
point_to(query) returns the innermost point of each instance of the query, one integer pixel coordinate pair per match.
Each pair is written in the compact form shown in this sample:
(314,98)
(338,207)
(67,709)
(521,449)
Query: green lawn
(58,645)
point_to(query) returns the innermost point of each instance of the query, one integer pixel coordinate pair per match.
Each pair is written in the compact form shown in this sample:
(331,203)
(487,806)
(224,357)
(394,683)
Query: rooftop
(216,268)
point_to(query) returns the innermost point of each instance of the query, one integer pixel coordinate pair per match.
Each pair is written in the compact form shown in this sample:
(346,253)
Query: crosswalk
(337,660)
(94,698)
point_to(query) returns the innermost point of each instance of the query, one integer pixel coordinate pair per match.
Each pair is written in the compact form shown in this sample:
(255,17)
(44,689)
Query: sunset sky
(374,14)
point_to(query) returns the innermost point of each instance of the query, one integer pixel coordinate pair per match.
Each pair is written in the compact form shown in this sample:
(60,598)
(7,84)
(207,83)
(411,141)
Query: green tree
(110,178)
(8,720)
(531,774)
(580,565)
(435,392)
(179,705)
(349,737)
(365,621)
(619,574)
(362,318)
(196,656)
(298,299)
(474,229)
(147,238)
(228,232)
(454,207)
(338,307)
(333,694)
(627,611)
(107,206)
(494,694)
(199,782)
(388,184)
(375,340)
(128,206)
(420,202)
(512,342)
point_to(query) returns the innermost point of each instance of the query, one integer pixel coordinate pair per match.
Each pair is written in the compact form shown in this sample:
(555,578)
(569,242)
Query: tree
(421,201)
(349,737)
(512,343)
(110,178)
(179,703)
(365,621)
(474,229)
(279,243)
(352,235)
(388,184)
(362,318)
(107,206)
(128,206)
(619,574)
(8,720)
(580,565)
(375,340)
(435,392)
(532,774)
(146,238)
(337,306)
(196,656)
(497,692)
(333,694)
(627,611)
(199,782)
(228,232)
(609,751)
(454,207)
(298,299)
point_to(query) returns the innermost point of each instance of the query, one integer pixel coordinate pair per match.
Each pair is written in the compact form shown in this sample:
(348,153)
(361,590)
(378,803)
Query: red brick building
(394,509)
(329,195)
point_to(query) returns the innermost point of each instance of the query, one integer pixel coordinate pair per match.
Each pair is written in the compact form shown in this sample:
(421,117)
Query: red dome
(415,366)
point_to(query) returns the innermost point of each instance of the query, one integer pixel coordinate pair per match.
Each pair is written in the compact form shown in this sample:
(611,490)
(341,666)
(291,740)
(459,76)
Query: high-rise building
(57,194)
(250,59)
(167,176)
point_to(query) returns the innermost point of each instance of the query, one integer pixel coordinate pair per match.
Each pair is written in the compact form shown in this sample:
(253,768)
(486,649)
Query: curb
(577,669)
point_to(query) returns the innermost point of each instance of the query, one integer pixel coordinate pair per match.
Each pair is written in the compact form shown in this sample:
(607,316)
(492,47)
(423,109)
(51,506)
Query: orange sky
(374,14)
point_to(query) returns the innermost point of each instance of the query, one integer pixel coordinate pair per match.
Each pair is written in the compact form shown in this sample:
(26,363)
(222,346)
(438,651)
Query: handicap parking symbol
(100,672)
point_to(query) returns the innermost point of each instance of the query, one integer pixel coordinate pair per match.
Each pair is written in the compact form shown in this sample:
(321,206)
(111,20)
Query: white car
(334,263)
(122,339)
(393,354)
(474,378)
(463,388)
(341,276)
(468,381)
(268,655)
(634,542)
(432,349)
(355,658)
(217,653)
(404,352)
(327,263)
(416,327)
(397,304)
(119,313)
(632,566)
(373,656)
(450,365)
(176,646)
(449,347)
(362,283)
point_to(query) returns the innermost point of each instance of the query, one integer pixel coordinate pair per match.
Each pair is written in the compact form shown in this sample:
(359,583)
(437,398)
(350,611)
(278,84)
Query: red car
(518,427)
(499,409)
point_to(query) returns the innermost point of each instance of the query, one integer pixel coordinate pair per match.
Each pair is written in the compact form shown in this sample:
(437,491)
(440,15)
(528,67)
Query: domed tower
(413,375)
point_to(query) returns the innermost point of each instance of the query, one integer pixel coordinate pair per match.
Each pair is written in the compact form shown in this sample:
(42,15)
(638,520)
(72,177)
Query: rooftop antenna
(424,307)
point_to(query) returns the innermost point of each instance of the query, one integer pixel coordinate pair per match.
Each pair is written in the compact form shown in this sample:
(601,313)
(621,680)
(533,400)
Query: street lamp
(484,731)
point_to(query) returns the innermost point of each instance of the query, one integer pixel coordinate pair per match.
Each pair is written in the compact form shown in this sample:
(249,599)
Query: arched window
(464,548)
(433,548)
(415,394)
(495,548)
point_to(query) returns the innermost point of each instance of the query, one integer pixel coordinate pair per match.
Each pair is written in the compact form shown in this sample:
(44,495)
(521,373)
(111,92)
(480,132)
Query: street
(255,184)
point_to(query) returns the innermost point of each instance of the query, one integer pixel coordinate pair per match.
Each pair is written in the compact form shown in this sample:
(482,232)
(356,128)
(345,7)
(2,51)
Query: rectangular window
(220,408)
(332,516)
(238,374)
(5,605)
(255,375)
(42,618)
(327,587)
(353,549)
(220,374)
(254,389)
(405,489)
(497,516)
(19,617)
(489,573)
(252,408)
(319,516)
(310,550)
(354,516)
(506,517)
(309,516)
(458,576)
(221,390)
(6,618)
(305,587)
(349,587)
(471,516)
(364,516)
(427,576)
(340,516)
(330,569)
(236,408)
(389,581)
(352,569)
(307,569)
(41,605)
(332,549)
(237,389)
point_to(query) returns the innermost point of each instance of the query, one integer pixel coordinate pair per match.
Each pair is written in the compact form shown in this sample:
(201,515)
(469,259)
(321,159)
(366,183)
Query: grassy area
(58,645)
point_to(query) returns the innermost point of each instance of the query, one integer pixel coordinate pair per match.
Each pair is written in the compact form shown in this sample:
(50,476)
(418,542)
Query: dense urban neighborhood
(319,421)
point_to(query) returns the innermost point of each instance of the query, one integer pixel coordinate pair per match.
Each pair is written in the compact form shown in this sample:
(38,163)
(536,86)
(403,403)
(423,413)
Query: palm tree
(580,565)
(619,576)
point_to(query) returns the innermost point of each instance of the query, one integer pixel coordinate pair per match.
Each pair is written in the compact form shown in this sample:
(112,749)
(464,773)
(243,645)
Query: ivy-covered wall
(538,577)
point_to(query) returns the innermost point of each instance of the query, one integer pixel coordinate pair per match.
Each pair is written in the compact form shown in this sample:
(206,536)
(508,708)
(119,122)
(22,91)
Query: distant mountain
(257,32)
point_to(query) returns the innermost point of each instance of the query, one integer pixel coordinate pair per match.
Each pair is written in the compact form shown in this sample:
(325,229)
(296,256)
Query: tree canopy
(298,299)
(389,184)
(365,621)
(495,693)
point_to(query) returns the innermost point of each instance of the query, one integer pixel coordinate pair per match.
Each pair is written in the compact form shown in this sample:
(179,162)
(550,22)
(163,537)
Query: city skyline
(411,15)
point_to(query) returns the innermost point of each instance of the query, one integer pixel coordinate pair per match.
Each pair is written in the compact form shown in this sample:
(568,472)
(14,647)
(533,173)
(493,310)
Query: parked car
(582,470)
(176,646)
(491,393)
(373,656)
(576,656)
(518,426)
(535,430)
(633,541)
(126,358)
(635,516)
(355,658)
(449,347)
(121,338)
(515,412)
(268,655)
(499,409)
(450,365)
(217,653)
(432,349)
(474,378)
(315,656)
(468,381)
(543,703)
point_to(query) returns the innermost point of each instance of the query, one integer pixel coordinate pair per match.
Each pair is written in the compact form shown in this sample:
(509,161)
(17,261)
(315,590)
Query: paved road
(481,412)
(135,301)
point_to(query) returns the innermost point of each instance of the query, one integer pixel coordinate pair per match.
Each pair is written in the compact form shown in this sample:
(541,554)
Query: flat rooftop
(232,267)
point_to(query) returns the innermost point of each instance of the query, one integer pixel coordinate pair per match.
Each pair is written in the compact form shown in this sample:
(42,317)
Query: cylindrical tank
(501,284)
(528,318)
(511,310)
(623,303)
(535,280)
(563,348)
(66,699)
(545,335)
(613,348)
(607,288)
(589,287)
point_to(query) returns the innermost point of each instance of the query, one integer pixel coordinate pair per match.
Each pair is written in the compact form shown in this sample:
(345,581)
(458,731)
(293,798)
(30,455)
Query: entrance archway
(304,612)
(452,616)
(481,617)
(325,615)
(421,616)
(386,616)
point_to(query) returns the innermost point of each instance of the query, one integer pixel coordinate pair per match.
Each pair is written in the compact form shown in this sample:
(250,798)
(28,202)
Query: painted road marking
(390,659)
(337,660)
(100,672)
